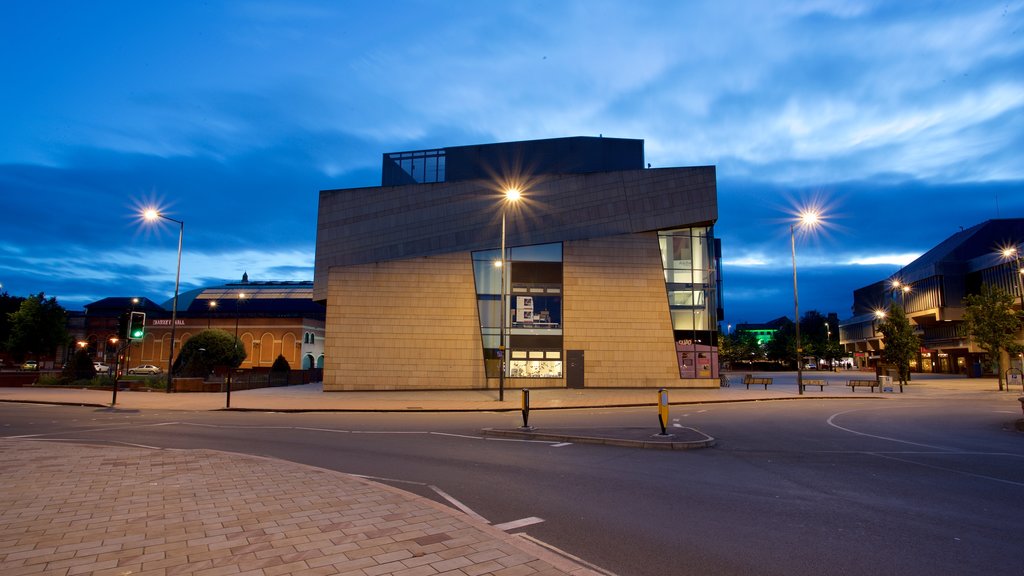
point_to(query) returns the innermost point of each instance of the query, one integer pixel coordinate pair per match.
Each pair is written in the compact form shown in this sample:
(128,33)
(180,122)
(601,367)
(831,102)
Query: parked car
(101,368)
(30,365)
(145,369)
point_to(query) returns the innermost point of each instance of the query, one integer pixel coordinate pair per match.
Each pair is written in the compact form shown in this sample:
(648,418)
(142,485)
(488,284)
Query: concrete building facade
(931,290)
(611,270)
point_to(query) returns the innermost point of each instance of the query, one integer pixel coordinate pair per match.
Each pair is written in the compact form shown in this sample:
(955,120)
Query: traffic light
(137,325)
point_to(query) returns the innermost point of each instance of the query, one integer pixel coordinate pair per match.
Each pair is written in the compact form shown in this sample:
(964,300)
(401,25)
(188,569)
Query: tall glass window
(533,309)
(687,255)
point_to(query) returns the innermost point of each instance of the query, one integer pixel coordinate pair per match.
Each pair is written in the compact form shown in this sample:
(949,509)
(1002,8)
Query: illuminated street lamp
(213,305)
(234,347)
(1011,252)
(903,288)
(151,214)
(512,195)
(808,220)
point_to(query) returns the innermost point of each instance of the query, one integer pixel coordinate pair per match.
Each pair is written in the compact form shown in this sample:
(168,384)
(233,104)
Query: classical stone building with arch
(270,319)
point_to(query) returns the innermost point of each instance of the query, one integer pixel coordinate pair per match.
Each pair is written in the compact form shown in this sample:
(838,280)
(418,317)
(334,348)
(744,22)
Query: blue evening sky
(904,120)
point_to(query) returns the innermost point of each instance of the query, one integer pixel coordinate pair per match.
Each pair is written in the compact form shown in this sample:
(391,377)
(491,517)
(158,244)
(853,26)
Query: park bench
(853,384)
(748,380)
(815,382)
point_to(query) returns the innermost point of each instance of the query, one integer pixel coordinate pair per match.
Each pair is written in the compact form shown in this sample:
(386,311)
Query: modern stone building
(931,290)
(612,270)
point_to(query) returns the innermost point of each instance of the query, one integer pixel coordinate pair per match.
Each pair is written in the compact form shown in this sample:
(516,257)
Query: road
(812,486)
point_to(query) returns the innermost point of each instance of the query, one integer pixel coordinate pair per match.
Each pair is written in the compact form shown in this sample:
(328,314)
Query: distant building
(271,319)
(764,332)
(612,270)
(931,289)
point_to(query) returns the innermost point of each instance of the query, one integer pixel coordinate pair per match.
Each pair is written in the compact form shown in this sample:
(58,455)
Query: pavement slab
(79,509)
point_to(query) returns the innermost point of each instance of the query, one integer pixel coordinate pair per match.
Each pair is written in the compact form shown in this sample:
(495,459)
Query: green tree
(901,344)
(37,328)
(8,305)
(206,350)
(739,347)
(990,321)
(814,337)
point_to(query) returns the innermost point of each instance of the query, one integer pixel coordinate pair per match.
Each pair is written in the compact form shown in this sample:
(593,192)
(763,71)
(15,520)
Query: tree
(814,338)
(901,344)
(279,371)
(990,321)
(8,305)
(782,346)
(207,349)
(37,328)
(739,347)
(80,367)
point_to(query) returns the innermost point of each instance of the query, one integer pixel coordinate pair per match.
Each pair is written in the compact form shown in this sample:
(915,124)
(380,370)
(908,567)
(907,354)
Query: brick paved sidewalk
(73,509)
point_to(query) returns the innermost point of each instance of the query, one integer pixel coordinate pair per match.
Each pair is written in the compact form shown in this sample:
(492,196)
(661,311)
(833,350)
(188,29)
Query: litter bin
(885,383)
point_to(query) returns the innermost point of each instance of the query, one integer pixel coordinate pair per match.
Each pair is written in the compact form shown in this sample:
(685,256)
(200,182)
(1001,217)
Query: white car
(101,368)
(145,369)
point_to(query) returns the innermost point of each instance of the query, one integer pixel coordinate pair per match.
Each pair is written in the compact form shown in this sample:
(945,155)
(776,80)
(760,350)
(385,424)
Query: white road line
(469,511)
(677,425)
(831,422)
(564,554)
(456,435)
(506,526)
(944,469)
(396,480)
(560,444)
(23,436)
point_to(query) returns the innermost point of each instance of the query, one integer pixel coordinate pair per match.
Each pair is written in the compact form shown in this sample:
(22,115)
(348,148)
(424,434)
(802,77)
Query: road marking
(677,425)
(944,469)
(831,422)
(456,435)
(560,444)
(381,479)
(469,511)
(505,527)
(564,554)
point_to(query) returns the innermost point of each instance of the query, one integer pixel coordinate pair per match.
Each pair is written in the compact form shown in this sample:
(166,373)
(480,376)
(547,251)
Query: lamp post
(234,347)
(151,215)
(213,304)
(511,195)
(808,219)
(1014,253)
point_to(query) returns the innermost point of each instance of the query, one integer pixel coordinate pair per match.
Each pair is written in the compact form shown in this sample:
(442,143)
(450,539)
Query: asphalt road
(912,487)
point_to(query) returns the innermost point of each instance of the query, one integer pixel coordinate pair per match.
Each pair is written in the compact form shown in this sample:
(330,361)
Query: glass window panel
(492,341)
(518,354)
(552,355)
(488,255)
(682,320)
(679,276)
(535,368)
(490,313)
(536,354)
(537,253)
(488,277)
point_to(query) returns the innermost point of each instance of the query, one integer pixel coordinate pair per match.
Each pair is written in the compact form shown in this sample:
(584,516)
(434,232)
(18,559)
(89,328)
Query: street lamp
(152,214)
(903,288)
(808,220)
(1011,252)
(512,195)
(213,304)
(234,347)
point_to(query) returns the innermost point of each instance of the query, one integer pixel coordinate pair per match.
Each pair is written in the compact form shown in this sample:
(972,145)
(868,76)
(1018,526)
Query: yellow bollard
(663,410)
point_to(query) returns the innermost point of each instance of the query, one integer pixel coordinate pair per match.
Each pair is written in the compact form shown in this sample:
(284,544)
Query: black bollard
(526,407)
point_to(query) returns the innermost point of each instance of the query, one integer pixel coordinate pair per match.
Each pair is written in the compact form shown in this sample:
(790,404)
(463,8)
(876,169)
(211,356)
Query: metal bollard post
(526,407)
(663,410)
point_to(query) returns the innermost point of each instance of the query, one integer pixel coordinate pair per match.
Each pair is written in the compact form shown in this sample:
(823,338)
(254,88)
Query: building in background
(612,270)
(763,331)
(931,290)
(270,318)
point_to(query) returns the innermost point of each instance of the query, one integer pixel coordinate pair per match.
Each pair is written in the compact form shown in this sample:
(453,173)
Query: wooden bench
(748,380)
(853,384)
(815,382)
